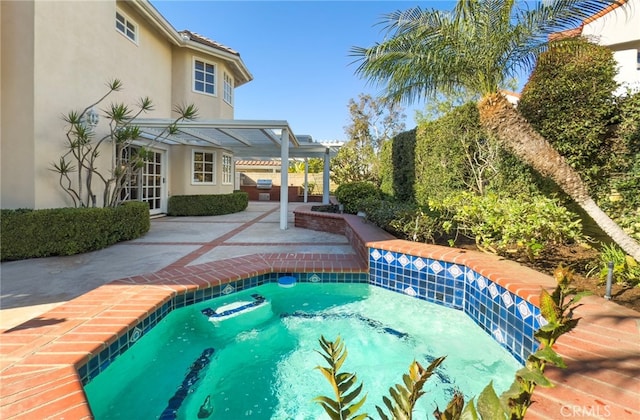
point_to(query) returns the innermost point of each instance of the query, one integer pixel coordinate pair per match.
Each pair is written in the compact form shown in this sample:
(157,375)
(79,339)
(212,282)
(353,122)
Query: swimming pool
(260,365)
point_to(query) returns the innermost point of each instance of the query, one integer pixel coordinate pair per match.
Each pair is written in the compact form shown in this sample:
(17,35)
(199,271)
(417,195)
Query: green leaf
(549,355)
(328,404)
(535,376)
(548,307)
(381,413)
(489,406)
(469,412)
(575,299)
(357,406)
(352,396)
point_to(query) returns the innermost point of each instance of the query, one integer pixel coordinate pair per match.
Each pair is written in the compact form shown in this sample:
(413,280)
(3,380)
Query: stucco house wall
(17,102)
(58,56)
(619,29)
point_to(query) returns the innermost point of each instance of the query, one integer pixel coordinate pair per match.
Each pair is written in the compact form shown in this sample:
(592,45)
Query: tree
(315,165)
(569,99)
(83,149)
(453,153)
(478,47)
(373,122)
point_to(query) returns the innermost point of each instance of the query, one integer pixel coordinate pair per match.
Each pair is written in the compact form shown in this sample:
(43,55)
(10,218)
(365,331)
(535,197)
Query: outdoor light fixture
(91,117)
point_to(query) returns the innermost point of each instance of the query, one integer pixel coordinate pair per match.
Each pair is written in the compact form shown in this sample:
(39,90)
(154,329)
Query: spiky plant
(405,396)
(340,408)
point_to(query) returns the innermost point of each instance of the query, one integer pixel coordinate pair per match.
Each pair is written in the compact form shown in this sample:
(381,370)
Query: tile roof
(258,163)
(604,11)
(569,33)
(208,42)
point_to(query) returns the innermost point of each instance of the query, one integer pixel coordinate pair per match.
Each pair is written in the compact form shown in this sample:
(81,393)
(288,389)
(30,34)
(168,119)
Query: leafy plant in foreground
(405,397)
(339,408)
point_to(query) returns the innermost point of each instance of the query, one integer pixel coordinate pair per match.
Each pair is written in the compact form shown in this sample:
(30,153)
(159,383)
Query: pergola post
(306,178)
(284,178)
(325,178)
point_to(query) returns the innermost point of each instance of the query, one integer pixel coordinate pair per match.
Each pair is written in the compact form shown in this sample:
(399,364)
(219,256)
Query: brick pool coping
(39,358)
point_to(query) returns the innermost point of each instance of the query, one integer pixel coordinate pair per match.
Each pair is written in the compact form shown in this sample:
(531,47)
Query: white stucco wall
(620,31)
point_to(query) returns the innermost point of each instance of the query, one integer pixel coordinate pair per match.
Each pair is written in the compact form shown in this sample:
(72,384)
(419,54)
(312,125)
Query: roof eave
(151,14)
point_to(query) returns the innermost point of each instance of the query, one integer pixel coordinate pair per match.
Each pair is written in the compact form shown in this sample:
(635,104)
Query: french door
(149,184)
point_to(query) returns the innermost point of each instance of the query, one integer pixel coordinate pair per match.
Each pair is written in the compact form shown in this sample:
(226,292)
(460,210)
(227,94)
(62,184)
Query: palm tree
(478,47)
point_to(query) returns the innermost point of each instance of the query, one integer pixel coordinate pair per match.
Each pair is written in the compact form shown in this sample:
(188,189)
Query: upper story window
(204,77)
(126,27)
(203,167)
(227,167)
(228,89)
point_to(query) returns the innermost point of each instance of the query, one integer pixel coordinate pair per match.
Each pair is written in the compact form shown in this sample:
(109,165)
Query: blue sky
(298,53)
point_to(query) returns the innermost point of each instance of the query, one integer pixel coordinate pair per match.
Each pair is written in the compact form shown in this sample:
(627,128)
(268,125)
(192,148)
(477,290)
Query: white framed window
(203,167)
(204,77)
(228,89)
(126,26)
(227,169)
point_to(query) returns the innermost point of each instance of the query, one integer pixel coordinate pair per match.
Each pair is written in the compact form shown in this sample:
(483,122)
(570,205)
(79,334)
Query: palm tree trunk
(513,132)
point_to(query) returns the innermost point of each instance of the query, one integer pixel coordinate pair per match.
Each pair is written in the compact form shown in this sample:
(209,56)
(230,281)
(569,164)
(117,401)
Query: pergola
(247,139)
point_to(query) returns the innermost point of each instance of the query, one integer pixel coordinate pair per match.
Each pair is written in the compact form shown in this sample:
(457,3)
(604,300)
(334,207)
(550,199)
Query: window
(228,89)
(204,167)
(638,60)
(126,27)
(204,77)
(227,169)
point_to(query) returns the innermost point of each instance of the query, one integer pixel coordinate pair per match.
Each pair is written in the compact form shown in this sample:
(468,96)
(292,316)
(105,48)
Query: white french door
(153,182)
(149,185)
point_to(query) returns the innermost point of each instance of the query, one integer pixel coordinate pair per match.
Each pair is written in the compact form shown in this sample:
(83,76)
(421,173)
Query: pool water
(261,364)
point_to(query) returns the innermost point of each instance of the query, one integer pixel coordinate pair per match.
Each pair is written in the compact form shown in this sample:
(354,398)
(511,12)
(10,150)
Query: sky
(298,53)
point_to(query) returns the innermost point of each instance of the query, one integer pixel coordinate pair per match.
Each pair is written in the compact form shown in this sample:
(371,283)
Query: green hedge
(351,194)
(69,231)
(207,205)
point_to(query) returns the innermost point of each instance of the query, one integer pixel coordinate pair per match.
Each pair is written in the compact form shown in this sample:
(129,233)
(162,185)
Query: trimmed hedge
(350,195)
(207,205)
(69,231)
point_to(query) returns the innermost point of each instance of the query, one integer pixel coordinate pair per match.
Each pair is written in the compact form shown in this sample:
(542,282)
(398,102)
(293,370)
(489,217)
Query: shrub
(569,100)
(207,205)
(69,231)
(421,225)
(350,195)
(382,212)
(512,225)
(626,270)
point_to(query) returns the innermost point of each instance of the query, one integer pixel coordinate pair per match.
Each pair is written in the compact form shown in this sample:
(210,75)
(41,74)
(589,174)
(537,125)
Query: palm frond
(477,46)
